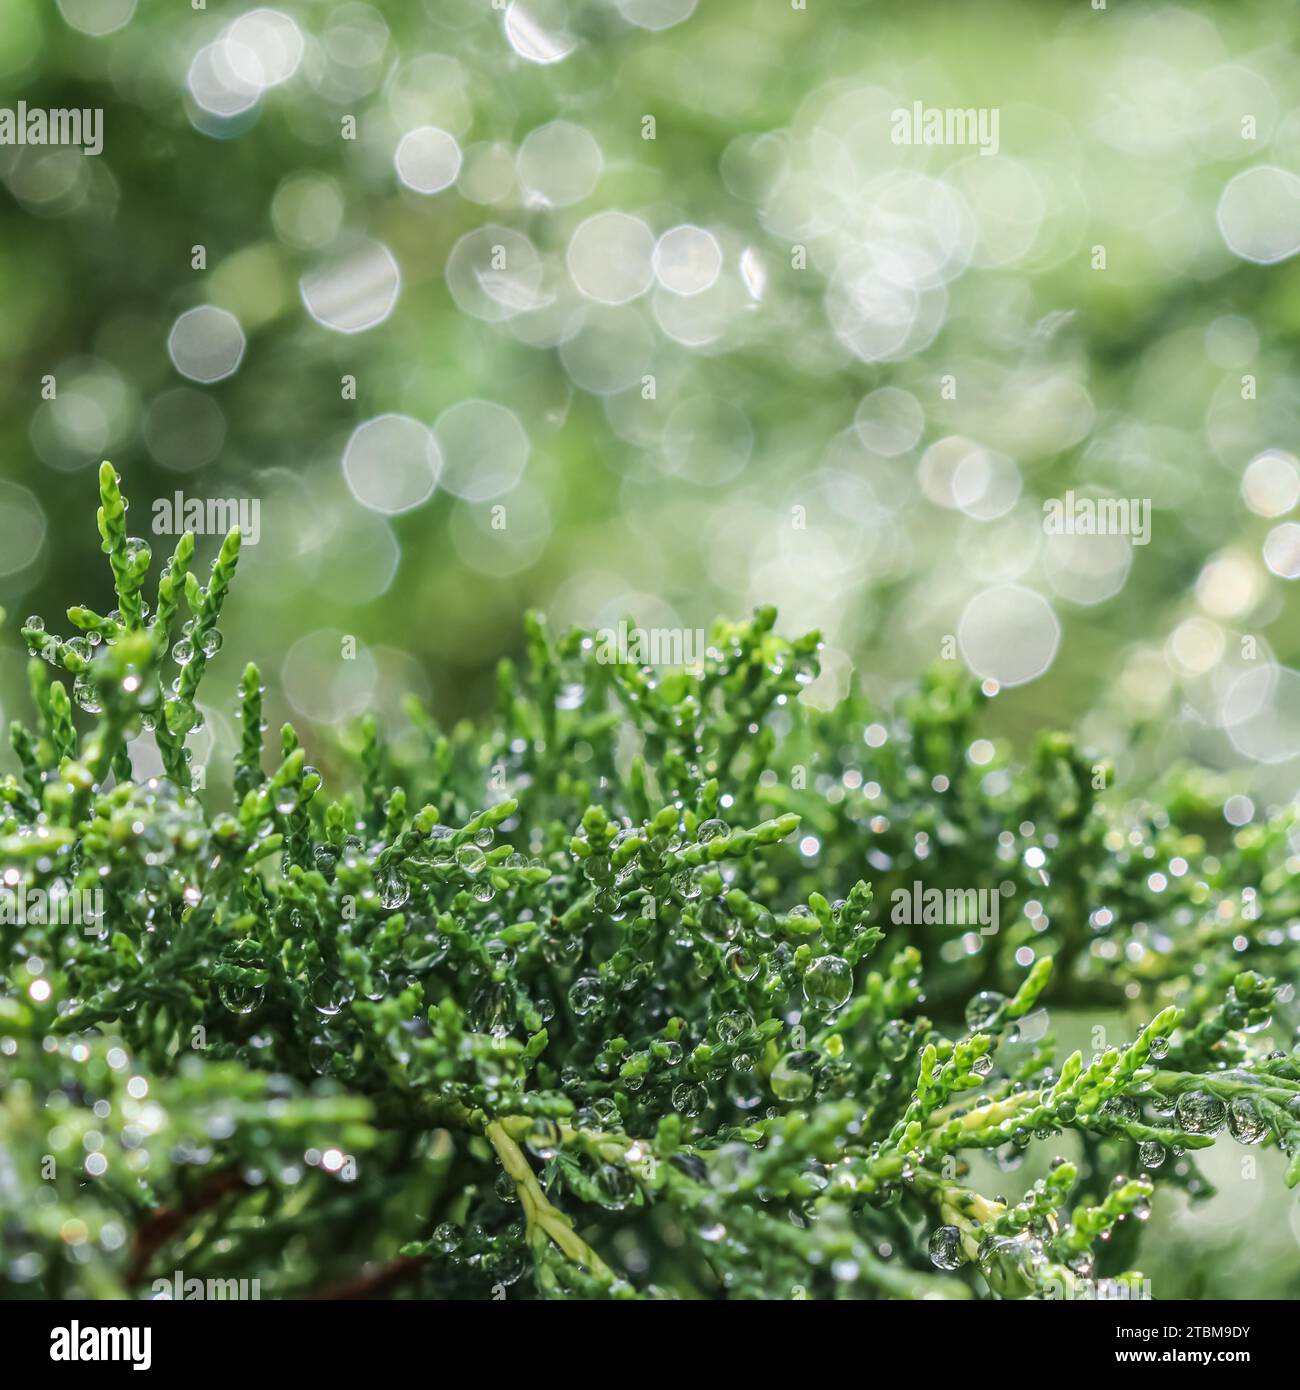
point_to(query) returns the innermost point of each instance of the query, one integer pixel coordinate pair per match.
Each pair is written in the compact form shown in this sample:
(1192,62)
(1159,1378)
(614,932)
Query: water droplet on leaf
(982,1009)
(1245,1123)
(1198,1112)
(689,1098)
(828,982)
(945,1248)
(792,1077)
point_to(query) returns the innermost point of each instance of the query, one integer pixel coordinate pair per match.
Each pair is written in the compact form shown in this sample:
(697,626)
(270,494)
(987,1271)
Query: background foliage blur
(685,374)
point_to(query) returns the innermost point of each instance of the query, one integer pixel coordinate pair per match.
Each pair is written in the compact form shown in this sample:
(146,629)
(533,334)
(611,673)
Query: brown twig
(377,1281)
(164,1223)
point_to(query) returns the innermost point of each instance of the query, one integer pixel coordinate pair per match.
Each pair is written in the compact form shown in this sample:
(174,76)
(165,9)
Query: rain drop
(792,1077)
(945,1248)
(1198,1112)
(982,1009)
(828,982)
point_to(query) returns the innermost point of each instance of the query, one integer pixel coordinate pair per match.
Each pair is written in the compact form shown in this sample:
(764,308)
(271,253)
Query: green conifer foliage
(617,993)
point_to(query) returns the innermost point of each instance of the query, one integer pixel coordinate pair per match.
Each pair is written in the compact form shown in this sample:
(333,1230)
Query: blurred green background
(634,307)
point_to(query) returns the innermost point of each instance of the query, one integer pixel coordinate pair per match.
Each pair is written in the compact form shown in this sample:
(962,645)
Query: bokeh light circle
(95,18)
(687,260)
(206,344)
(1271,483)
(353,290)
(610,257)
(656,14)
(22,528)
(321,684)
(494,273)
(427,159)
(1008,634)
(558,164)
(1261,714)
(1282,550)
(184,429)
(1259,214)
(538,31)
(889,421)
(264,47)
(484,449)
(391,464)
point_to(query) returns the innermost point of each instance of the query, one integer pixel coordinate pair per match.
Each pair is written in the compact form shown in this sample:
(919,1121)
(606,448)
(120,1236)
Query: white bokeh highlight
(558,164)
(1008,634)
(610,258)
(427,159)
(391,464)
(206,344)
(353,291)
(1259,214)
(484,449)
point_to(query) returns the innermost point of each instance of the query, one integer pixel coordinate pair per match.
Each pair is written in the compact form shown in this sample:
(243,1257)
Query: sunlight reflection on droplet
(753,272)
(487,174)
(320,685)
(1261,714)
(52,182)
(1145,681)
(556,319)
(184,429)
(354,49)
(889,421)
(1271,483)
(358,552)
(93,411)
(1008,634)
(702,319)
(842,538)
(752,165)
(307,210)
(1282,550)
(925,223)
(354,290)
(96,17)
(1229,584)
(610,352)
(656,14)
(494,273)
(1238,810)
(22,528)
(1259,214)
(1007,204)
(610,257)
(206,344)
(1004,551)
(833,682)
(1195,646)
(427,159)
(558,164)
(985,485)
(274,41)
(484,449)
(391,463)
(892,480)
(224,79)
(687,260)
(1231,341)
(707,439)
(872,302)
(1087,569)
(939,466)
(431,89)
(536,30)
(487,548)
